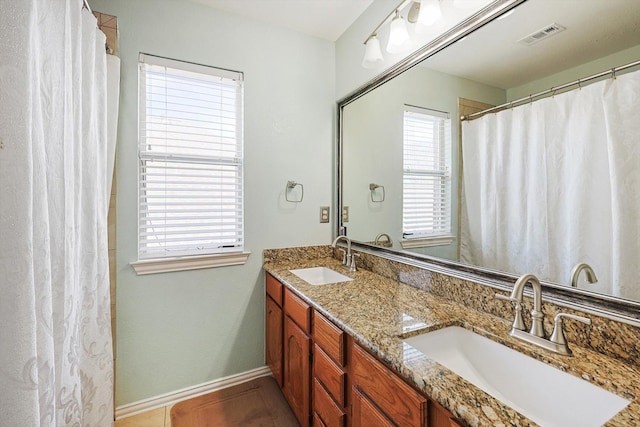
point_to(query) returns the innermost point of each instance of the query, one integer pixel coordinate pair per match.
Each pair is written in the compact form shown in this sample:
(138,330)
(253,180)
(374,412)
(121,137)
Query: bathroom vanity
(325,374)
(340,350)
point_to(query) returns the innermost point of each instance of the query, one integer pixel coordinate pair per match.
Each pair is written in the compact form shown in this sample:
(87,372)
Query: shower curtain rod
(553,90)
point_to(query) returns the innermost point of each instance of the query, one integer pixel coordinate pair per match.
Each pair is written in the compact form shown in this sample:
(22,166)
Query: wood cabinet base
(351,387)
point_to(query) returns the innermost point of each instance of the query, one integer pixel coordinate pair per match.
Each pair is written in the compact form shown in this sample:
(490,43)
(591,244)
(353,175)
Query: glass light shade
(430,12)
(372,53)
(398,35)
(466,4)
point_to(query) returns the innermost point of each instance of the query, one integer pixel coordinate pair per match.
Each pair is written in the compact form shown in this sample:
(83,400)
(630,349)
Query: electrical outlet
(324,214)
(345,214)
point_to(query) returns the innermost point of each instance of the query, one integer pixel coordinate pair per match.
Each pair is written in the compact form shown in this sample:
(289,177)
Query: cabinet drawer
(394,397)
(366,413)
(274,289)
(317,422)
(329,337)
(297,310)
(330,414)
(440,417)
(329,374)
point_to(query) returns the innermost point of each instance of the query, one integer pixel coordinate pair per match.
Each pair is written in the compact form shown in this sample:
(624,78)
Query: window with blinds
(191,159)
(426,198)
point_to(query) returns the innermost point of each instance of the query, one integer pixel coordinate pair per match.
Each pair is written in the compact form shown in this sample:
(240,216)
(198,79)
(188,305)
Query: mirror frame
(614,308)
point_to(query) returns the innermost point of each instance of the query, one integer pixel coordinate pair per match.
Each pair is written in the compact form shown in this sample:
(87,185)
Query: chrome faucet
(378,242)
(346,256)
(536,314)
(575,273)
(556,342)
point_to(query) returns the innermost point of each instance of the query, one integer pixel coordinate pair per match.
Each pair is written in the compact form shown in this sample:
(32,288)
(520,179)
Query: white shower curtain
(56,363)
(555,182)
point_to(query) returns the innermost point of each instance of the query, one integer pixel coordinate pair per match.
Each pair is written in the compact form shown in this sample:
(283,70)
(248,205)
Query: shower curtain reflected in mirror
(56,362)
(555,182)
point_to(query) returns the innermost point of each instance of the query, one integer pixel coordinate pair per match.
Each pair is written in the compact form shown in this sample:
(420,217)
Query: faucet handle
(344,256)
(353,266)
(557,336)
(518,323)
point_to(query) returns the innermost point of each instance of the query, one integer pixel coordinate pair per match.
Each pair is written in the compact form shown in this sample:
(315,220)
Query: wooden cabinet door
(274,332)
(366,413)
(297,373)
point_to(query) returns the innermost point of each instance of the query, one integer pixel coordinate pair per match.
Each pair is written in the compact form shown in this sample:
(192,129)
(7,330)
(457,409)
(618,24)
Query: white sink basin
(538,391)
(320,275)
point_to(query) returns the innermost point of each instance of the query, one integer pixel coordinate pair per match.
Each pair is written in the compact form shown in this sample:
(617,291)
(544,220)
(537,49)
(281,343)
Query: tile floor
(277,409)
(160,417)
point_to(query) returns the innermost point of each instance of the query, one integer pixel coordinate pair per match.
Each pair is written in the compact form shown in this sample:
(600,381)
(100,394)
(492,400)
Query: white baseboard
(189,392)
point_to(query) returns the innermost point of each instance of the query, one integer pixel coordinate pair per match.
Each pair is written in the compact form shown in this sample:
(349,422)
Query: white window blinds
(426,206)
(191,159)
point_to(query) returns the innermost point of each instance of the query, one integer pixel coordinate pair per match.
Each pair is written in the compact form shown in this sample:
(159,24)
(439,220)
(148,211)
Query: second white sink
(320,275)
(538,391)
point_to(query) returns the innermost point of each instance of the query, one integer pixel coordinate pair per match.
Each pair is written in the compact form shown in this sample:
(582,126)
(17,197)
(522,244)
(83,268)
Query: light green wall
(373,135)
(175,330)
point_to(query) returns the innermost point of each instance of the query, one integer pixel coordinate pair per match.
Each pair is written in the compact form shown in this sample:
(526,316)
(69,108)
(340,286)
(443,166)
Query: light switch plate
(324,214)
(345,214)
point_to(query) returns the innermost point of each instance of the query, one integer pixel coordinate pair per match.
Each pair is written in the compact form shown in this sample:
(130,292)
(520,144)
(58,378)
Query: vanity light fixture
(465,4)
(430,13)
(421,12)
(398,35)
(372,52)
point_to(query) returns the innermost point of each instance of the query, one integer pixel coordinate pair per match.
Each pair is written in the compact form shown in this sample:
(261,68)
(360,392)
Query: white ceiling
(492,55)
(326,19)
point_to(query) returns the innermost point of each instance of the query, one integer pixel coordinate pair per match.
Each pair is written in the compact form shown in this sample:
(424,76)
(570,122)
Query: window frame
(444,143)
(194,257)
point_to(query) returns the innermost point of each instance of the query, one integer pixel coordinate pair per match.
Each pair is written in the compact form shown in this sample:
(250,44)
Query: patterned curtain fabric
(553,183)
(56,362)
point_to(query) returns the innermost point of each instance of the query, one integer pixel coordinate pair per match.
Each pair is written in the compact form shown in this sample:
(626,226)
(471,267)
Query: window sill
(166,265)
(427,241)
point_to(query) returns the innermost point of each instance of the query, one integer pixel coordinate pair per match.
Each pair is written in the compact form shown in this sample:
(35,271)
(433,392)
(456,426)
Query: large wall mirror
(525,48)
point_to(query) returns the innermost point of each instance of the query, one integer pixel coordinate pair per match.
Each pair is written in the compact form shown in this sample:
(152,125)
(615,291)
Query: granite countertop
(379,312)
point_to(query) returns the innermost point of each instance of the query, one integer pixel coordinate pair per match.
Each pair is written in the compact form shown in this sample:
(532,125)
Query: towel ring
(290,186)
(373,187)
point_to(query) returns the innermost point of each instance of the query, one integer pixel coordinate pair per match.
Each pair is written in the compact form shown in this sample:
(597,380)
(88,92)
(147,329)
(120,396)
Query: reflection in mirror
(410,115)
(550,184)
(490,67)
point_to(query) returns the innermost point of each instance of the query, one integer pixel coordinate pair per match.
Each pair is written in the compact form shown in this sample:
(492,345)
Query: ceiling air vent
(548,31)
